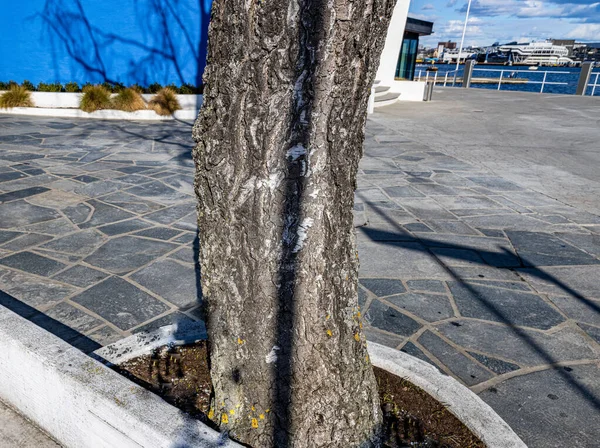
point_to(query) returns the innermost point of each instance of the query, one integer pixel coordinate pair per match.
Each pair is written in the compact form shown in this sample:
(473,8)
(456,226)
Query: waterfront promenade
(478,227)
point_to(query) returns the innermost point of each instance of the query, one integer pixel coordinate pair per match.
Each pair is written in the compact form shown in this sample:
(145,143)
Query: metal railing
(544,82)
(595,75)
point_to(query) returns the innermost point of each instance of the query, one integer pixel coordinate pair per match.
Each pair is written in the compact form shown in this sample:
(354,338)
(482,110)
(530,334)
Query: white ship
(537,53)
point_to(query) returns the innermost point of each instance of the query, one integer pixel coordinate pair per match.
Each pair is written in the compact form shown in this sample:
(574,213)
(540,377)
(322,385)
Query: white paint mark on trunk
(303,233)
(297,151)
(272,356)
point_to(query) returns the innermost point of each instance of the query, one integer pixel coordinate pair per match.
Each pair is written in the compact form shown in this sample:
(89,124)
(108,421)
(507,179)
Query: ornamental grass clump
(128,100)
(95,98)
(165,102)
(16,96)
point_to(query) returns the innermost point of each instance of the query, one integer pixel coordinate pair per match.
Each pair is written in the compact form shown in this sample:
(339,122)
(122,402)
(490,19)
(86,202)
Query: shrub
(16,96)
(128,100)
(188,89)
(4,85)
(52,87)
(28,85)
(72,87)
(139,89)
(165,102)
(95,98)
(154,88)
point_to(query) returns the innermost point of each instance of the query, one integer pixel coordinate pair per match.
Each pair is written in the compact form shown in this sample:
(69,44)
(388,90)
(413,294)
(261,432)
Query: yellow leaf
(254,423)
(224,419)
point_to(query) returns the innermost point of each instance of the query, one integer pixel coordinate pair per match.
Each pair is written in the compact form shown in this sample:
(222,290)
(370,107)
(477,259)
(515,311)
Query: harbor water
(558,80)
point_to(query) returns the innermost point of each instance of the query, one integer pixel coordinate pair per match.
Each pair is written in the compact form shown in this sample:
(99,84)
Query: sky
(509,20)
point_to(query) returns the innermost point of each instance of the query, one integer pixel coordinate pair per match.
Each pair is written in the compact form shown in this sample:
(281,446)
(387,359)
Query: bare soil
(412,418)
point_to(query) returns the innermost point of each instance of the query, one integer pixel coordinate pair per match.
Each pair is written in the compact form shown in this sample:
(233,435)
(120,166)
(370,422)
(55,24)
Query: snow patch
(272,356)
(306,224)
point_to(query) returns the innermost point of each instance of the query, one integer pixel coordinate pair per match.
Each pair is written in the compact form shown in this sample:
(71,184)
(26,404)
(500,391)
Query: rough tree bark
(279,138)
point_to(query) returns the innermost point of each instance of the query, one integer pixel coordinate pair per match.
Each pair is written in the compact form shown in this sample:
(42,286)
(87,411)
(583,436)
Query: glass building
(407,59)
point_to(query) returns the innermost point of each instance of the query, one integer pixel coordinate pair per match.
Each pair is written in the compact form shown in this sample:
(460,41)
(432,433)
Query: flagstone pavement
(489,281)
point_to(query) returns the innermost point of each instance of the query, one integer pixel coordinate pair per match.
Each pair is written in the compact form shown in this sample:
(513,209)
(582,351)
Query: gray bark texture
(279,138)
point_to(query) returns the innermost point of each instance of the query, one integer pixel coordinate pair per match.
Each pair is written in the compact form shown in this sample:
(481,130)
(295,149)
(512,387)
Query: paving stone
(162,233)
(541,249)
(71,319)
(398,260)
(465,369)
(170,319)
(174,282)
(379,337)
(494,233)
(483,272)
(6,236)
(385,232)
(427,285)
(132,203)
(362,297)
(573,280)
(78,213)
(120,303)
(25,241)
(56,199)
(457,257)
(495,365)
(22,194)
(79,243)
(32,263)
(437,190)
(382,287)
(589,243)
(553,408)
(454,227)
(509,221)
(86,179)
(503,305)
(417,227)
(124,227)
(190,222)
(11,175)
(494,251)
(104,214)
(593,332)
(80,276)
(370,195)
(159,192)
(105,336)
(467,202)
(99,188)
(186,254)
(429,307)
(415,351)
(126,253)
(517,286)
(31,290)
(580,309)
(386,318)
(494,183)
(524,347)
(20,213)
(426,209)
(403,192)
(476,212)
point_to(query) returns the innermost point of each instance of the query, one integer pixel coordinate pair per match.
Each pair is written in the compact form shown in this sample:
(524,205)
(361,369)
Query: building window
(408,57)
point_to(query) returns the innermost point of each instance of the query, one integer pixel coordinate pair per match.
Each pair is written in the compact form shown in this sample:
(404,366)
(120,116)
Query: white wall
(393,44)
(409,90)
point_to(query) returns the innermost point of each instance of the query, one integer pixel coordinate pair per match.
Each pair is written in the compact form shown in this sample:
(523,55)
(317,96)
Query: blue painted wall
(128,41)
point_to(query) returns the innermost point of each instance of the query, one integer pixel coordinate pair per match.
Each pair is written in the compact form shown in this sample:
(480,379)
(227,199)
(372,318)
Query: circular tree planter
(471,410)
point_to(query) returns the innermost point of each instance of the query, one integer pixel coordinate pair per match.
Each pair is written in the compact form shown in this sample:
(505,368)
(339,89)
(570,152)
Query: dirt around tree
(412,418)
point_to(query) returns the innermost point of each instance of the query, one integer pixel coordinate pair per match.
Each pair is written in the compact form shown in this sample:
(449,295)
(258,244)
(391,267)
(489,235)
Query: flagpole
(462,41)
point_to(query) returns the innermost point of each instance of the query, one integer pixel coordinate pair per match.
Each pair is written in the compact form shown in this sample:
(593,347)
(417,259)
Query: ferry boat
(537,53)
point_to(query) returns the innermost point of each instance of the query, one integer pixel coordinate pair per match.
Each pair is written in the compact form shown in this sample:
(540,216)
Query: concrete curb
(464,404)
(479,417)
(81,402)
(108,114)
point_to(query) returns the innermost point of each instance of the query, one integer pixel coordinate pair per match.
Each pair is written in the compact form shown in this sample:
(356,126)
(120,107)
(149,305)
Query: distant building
(537,53)
(396,70)
(569,44)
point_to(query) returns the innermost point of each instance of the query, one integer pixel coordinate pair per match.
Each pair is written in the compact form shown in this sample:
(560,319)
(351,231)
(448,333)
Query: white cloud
(586,31)
(427,7)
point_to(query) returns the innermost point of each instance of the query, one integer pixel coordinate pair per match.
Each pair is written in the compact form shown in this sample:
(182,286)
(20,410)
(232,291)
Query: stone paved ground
(493,283)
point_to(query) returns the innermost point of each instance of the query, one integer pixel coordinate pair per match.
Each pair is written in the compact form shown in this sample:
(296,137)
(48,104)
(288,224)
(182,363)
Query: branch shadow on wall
(168,45)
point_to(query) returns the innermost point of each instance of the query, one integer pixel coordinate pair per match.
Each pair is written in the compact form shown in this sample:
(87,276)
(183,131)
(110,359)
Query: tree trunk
(280,135)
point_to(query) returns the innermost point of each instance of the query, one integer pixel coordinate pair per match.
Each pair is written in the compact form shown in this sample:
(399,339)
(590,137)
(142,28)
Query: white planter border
(66,105)
(84,404)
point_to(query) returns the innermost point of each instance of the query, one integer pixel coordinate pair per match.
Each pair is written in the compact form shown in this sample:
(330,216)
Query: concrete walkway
(463,263)
(17,432)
